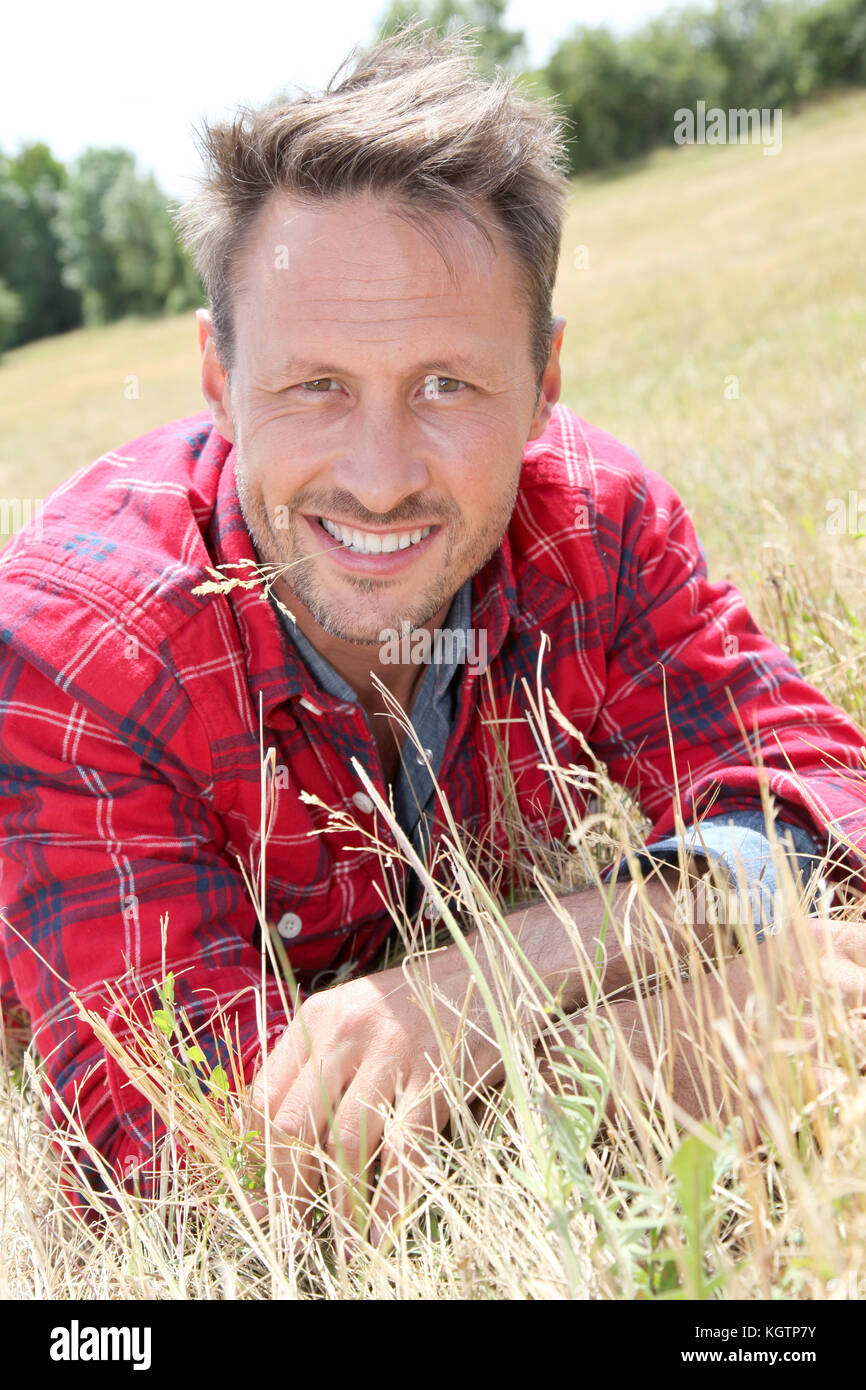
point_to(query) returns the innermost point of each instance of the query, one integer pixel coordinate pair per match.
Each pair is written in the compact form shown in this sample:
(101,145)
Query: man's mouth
(373,542)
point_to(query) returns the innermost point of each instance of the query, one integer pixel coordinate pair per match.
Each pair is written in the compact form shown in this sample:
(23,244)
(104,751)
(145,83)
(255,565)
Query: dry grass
(706,263)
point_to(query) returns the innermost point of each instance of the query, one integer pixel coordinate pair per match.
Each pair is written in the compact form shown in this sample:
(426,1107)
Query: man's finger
(404,1157)
(353,1147)
(297,1132)
(307,1110)
(298,1174)
(282,1066)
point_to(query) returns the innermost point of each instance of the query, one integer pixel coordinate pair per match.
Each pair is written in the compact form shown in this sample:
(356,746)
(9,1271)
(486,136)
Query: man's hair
(414,120)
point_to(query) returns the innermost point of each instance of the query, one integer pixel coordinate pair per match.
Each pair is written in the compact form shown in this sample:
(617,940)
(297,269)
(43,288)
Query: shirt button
(420,757)
(363,803)
(289,925)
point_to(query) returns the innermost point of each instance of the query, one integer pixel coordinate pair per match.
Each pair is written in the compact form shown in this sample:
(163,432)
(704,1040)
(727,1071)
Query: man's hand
(351,1082)
(354,1077)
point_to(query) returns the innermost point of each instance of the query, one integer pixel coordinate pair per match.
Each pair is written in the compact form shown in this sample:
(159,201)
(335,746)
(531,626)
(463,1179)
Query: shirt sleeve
(113,875)
(739,845)
(701,714)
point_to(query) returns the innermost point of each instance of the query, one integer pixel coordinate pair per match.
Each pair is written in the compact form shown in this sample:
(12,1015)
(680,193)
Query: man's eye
(441,386)
(320,383)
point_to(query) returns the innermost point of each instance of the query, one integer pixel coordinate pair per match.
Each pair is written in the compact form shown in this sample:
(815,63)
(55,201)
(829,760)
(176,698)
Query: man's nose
(382,463)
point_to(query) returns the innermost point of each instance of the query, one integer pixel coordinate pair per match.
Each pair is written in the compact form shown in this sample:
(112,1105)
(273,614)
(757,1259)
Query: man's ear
(551,383)
(214,377)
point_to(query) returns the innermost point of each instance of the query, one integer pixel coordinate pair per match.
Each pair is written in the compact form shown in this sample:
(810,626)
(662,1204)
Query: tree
(621,93)
(86,253)
(153,271)
(498,46)
(603,91)
(10,315)
(117,241)
(835,36)
(30,185)
(759,44)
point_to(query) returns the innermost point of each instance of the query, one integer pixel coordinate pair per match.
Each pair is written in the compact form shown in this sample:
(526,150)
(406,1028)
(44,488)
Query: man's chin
(363,630)
(360,612)
(358,635)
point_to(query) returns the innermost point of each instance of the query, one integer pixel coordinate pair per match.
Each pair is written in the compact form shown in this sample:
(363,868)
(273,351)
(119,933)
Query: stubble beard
(465,554)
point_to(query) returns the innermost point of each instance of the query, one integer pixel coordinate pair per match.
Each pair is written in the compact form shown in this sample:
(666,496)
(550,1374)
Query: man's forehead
(321,282)
(372,245)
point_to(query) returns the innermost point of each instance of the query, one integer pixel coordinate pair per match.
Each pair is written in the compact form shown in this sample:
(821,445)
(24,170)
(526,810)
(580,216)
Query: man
(382,375)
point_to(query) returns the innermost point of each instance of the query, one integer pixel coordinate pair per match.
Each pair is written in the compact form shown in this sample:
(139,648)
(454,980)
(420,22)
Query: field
(716,306)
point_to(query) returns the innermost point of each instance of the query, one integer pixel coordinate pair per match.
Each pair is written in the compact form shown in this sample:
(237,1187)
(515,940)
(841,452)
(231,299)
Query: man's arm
(700,712)
(369,1042)
(737,846)
(99,844)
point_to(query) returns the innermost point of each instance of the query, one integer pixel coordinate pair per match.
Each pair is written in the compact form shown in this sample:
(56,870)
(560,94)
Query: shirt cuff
(736,842)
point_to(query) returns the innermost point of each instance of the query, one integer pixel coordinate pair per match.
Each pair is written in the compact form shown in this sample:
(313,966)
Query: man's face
(378,409)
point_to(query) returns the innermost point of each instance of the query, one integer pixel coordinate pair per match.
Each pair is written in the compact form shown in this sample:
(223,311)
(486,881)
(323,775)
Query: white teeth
(369,543)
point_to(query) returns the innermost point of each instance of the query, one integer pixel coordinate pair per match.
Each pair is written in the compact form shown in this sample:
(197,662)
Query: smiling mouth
(371,543)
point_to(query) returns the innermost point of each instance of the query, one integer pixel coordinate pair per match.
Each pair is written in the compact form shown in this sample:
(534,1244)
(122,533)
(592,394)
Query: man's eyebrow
(308,369)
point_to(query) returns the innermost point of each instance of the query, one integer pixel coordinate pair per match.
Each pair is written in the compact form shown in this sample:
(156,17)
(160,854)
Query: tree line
(95,242)
(85,245)
(619,93)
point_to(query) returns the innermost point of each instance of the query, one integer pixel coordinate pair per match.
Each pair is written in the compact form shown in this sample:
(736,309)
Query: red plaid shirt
(130,760)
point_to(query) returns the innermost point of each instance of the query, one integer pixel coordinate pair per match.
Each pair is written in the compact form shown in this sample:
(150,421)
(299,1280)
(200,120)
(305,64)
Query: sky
(142,75)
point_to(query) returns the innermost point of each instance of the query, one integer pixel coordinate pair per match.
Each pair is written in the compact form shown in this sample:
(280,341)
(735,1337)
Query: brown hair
(414,119)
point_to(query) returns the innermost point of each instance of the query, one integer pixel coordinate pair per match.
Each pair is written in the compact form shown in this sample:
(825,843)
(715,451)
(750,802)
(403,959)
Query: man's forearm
(614,940)
(695,1039)
(570,950)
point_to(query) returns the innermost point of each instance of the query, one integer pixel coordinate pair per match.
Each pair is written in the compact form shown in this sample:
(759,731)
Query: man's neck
(355,662)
